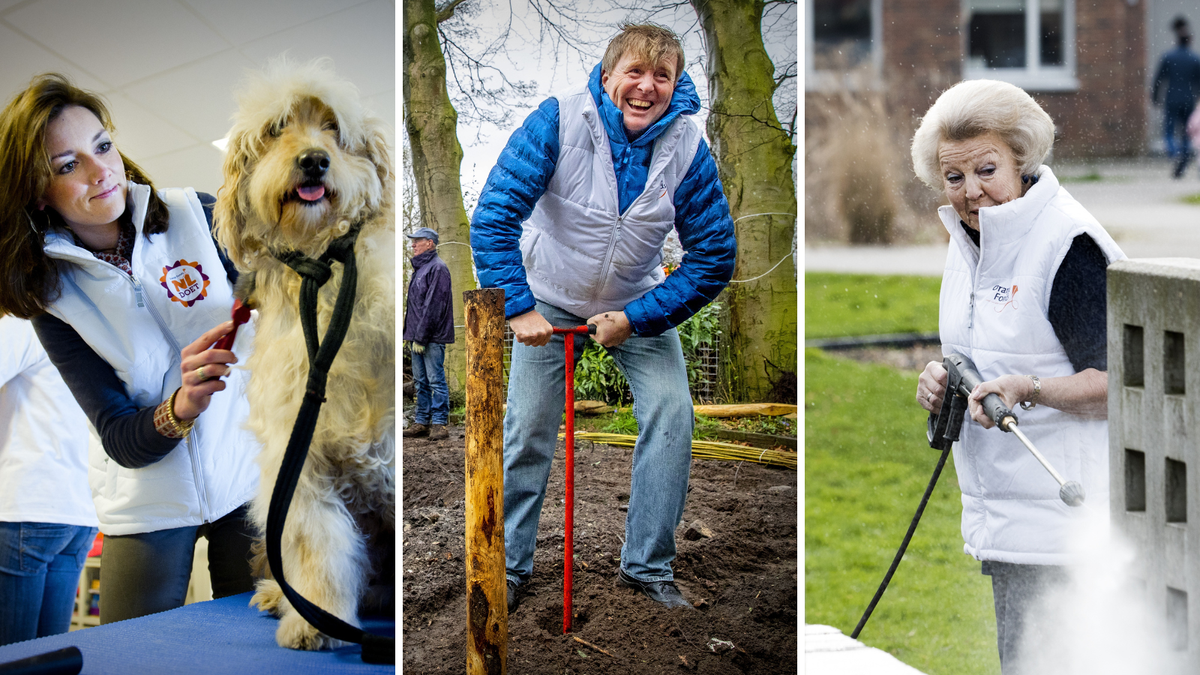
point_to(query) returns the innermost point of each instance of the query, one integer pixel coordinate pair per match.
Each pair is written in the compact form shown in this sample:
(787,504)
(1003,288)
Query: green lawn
(837,305)
(866,466)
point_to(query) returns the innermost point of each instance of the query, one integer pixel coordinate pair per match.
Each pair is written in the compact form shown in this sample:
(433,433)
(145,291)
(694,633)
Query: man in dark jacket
(428,328)
(571,224)
(1179,70)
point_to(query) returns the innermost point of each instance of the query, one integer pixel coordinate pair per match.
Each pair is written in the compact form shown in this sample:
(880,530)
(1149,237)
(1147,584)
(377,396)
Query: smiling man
(571,224)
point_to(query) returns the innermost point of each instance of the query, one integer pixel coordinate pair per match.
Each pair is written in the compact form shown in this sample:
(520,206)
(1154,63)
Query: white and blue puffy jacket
(574,215)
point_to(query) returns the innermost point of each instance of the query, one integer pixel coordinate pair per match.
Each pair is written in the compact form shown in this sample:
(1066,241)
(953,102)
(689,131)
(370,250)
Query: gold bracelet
(1037,393)
(180,427)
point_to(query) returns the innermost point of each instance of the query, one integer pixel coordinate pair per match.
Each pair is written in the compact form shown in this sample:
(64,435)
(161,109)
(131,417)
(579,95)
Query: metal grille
(707,361)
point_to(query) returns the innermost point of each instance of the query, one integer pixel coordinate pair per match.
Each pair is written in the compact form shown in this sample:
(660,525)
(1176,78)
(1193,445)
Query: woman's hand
(1012,389)
(1084,394)
(199,385)
(931,387)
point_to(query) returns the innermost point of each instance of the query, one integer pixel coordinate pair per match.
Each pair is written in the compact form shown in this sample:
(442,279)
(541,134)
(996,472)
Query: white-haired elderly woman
(1023,296)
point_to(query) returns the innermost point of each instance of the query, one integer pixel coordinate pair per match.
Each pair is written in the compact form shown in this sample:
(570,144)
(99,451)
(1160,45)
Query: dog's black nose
(314,162)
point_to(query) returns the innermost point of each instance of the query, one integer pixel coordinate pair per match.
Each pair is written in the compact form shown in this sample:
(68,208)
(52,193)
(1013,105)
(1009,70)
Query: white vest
(994,304)
(580,254)
(139,325)
(43,436)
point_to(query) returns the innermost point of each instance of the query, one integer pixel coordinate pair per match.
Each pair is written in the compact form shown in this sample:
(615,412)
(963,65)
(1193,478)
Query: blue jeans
(1175,124)
(662,457)
(39,575)
(429,377)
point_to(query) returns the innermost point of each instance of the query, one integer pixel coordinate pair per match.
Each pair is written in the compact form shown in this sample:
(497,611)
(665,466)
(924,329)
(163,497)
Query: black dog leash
(314,273)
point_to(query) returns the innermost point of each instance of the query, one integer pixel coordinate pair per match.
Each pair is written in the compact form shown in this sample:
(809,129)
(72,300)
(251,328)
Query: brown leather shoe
(415,431)
(437,432)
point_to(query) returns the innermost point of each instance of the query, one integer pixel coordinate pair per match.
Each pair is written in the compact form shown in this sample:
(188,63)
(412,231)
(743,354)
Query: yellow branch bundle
(705,449)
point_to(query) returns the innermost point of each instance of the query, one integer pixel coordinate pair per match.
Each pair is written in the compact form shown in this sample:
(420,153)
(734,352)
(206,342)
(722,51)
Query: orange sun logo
(186,282)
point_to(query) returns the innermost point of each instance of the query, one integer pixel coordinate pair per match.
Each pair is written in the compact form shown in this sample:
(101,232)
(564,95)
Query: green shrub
(597,377)
(622,423)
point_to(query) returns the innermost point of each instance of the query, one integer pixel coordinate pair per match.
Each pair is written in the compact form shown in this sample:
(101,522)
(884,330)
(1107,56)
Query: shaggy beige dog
(305,161)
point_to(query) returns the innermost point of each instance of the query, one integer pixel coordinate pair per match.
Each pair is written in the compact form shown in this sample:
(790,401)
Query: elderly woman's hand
(1012,390)
(931,386)
(1085,394)
(202,369)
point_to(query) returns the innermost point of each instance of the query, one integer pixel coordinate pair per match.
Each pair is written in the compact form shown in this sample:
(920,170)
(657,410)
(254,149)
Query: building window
(842,43)
(1030,43)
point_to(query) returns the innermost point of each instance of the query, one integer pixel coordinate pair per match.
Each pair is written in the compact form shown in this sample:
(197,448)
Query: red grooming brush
(240,315)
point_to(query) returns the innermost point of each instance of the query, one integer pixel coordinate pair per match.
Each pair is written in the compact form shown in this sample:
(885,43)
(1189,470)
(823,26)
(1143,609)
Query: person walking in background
(1177,83)
(47,519)
(428,328)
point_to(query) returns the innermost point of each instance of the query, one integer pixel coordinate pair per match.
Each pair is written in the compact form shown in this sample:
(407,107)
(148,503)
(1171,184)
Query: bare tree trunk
(431,123)
(754,160)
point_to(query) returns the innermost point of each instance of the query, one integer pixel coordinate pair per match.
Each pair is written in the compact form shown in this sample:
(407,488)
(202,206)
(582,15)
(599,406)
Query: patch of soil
(742,580)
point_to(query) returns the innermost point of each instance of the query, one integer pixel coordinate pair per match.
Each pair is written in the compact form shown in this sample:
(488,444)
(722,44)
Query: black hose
(937,472)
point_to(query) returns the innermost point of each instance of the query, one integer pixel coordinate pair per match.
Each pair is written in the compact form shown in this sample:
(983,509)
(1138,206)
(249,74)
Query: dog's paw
(296,633)
(269,597)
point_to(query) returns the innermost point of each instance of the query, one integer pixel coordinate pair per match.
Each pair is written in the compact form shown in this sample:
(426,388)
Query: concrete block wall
(1154,440)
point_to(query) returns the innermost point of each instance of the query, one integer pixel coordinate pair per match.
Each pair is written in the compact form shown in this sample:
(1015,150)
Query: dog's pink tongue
(311,194)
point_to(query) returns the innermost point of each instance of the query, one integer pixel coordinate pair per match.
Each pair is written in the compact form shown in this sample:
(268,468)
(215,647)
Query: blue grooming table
(218,636)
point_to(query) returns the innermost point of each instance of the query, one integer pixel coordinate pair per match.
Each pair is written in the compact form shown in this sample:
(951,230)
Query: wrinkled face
(306,180)
(421,245)
(978,172)
(87,177)
(641,91)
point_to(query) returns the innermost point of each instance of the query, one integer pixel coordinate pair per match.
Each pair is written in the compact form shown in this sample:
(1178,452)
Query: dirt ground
(742,579)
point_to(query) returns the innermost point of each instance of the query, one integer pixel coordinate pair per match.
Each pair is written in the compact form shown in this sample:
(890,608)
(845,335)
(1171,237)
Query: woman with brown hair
(127,292)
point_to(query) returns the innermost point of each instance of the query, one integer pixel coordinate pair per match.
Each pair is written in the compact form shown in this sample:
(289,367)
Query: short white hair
(977,107)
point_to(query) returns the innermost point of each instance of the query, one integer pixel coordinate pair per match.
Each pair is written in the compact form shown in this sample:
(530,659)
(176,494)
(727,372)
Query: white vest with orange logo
(994,309)
(139,324)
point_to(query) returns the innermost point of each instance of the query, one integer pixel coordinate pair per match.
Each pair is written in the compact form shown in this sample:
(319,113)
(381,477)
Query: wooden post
(487,592)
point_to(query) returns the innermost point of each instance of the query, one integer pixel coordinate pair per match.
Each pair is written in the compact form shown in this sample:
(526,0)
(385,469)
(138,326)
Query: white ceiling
(167,68)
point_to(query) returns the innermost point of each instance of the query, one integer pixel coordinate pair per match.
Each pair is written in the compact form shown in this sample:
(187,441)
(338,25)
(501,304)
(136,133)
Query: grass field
(837,305)
(866,467)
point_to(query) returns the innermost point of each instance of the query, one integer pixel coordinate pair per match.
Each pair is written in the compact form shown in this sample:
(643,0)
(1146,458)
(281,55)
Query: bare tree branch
(448,10)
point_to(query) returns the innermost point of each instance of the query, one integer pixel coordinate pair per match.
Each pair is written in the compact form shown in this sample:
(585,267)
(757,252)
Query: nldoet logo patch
(186,282)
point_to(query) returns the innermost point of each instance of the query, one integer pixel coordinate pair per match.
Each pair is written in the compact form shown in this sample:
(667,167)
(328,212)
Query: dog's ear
(229,216)
(379,150)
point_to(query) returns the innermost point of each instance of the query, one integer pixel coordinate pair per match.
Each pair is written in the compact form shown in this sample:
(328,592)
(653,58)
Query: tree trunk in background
(754,160)
(430,120)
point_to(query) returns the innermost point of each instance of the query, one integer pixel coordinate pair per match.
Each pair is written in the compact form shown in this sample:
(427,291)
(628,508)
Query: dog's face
(304,162)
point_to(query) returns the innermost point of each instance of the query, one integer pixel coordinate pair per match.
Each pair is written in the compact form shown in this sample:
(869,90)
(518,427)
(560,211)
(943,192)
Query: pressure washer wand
(962,378)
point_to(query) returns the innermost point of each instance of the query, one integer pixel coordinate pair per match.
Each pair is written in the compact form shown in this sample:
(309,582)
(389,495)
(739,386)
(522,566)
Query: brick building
(1084,61)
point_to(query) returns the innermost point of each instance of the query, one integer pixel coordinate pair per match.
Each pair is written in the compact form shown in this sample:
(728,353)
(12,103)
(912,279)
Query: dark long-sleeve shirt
(1179,71)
